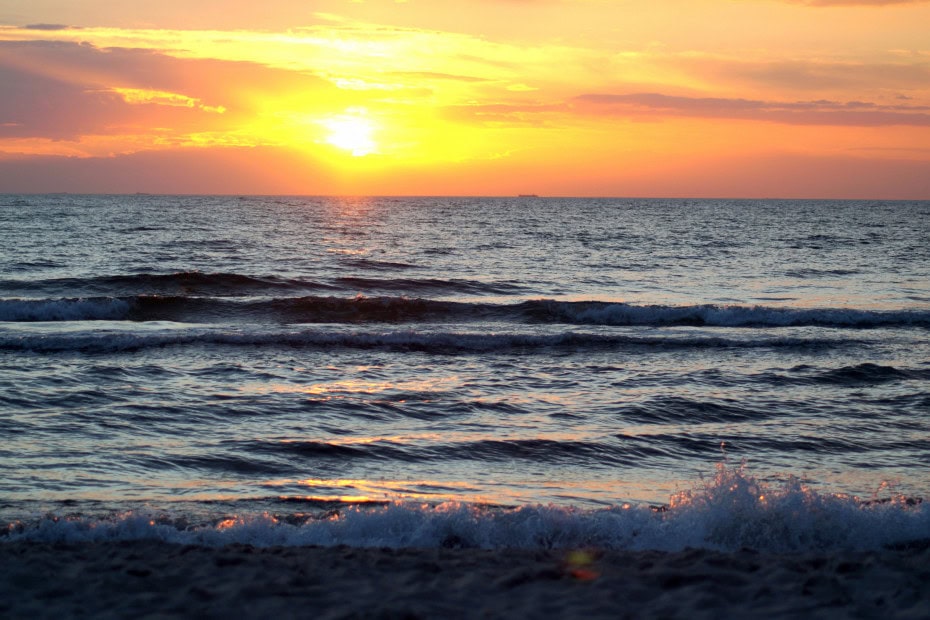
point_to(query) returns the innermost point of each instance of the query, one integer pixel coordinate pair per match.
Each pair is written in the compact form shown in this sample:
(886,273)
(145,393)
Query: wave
(443,343)
(378,265)
(595,454)
(711,315)
(234,284)
(430,285)
(618,451)
(861,374)
(730,512)
(360,309)
(183,282)
(820,273)
(310,309)
(93,309)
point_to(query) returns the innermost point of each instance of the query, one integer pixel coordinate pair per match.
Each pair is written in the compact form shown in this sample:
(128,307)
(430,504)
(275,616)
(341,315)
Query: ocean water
(465,371)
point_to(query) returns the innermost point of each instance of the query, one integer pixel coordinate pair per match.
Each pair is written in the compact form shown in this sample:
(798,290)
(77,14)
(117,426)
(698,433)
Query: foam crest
(733,511)
(600,313)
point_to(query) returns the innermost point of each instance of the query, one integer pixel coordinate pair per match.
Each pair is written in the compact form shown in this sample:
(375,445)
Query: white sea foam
(733,511)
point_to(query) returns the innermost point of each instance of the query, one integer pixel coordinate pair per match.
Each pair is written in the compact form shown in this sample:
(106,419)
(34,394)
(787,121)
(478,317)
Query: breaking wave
(361,309)
(730,512)
(235,284)
(443,342)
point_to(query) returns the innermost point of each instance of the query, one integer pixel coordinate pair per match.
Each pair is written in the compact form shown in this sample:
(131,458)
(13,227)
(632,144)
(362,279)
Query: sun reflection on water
(355,386)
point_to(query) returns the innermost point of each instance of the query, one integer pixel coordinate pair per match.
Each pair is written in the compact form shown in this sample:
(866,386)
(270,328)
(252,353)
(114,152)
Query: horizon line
(524,197)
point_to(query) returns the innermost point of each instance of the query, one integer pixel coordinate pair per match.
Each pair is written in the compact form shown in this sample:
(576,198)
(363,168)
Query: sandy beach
(150,579)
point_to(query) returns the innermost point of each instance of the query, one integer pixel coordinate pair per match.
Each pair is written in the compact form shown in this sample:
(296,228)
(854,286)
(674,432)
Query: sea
(513,372)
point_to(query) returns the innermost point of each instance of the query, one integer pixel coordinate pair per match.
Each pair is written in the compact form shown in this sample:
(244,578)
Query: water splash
(731,511)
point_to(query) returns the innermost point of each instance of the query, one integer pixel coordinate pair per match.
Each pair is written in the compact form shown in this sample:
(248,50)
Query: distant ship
(527,195)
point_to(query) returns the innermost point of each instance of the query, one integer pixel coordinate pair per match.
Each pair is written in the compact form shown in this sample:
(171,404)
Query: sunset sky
(703,98)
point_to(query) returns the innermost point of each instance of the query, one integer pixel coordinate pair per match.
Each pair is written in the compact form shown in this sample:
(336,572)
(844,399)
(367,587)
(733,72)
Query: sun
(352,132)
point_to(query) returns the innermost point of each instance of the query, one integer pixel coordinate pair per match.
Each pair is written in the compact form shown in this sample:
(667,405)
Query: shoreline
(154,579)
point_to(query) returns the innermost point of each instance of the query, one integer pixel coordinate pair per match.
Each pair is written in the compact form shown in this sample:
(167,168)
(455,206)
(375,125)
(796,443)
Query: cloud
(160,97)
(63,91)
(36,106)
(233,171)
(436,75)
(355,52)
(532,114)
(855,2)
(48,27)
(202,78)
(651,105)
(196,171)
(851,113)
(810,75)
(786,175)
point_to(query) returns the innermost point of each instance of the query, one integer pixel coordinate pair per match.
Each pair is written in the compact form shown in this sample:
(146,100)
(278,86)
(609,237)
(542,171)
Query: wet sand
(151,579)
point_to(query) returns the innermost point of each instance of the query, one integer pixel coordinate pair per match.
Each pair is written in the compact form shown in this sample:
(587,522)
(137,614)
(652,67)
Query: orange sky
(755,98)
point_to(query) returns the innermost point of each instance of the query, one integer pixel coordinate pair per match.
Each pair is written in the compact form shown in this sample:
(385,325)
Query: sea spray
(733,511)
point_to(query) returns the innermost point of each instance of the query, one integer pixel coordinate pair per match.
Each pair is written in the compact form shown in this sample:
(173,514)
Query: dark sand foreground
(148,579)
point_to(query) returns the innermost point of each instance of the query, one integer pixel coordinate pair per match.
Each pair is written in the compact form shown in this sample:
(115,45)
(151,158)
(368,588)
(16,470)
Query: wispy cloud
(437,75)
(855,2)
(851,113)
(907,72)
(50,27)
(528,114)
(67,91)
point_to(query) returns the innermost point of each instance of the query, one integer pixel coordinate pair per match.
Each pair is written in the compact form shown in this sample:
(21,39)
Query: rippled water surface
(267,353)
